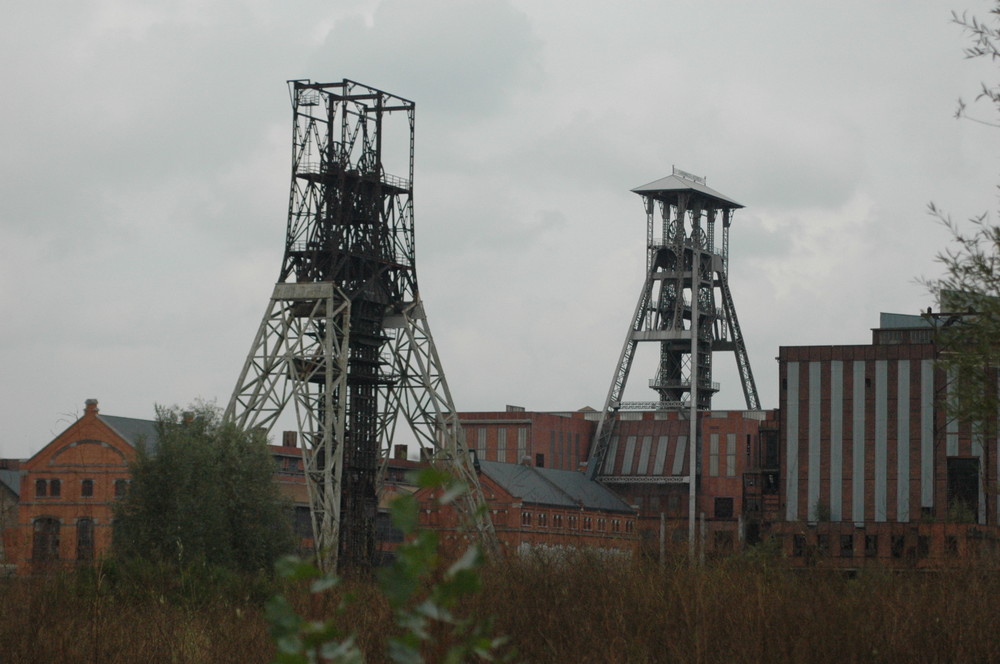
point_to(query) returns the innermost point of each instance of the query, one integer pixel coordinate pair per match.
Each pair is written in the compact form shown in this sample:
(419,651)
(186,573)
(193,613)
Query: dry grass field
(582,609)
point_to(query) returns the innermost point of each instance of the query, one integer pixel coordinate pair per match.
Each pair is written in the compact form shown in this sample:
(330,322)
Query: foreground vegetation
(579,610)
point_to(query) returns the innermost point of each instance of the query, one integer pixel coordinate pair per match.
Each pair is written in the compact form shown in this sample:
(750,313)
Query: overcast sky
(145,162)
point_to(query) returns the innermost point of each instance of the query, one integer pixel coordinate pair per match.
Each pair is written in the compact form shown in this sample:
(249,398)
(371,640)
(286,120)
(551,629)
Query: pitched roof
(134,431)
(558,488)
(12,480)
(667,189)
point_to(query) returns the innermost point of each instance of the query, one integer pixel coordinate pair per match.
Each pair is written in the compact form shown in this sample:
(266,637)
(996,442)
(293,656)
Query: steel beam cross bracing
(686,277)
(344,336)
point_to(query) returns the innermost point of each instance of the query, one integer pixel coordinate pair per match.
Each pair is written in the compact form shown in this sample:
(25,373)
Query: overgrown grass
(578,609)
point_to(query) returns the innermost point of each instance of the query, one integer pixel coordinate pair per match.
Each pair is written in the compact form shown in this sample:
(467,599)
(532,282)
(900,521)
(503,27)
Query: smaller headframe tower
(344,337)
(687,276)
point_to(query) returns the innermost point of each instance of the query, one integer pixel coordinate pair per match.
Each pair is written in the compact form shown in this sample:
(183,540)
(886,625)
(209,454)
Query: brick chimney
(90,407)
(399,452)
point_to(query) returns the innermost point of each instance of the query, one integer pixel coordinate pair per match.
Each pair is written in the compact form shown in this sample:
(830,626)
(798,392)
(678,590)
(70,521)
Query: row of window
(899,545)
(52,488)
(573,521)
(45,541)
(725,506)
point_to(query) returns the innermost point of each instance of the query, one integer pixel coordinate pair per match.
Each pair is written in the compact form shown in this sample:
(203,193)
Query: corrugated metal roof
(898,321)
(134,431)
(667,188)
(12,480)
(548,486)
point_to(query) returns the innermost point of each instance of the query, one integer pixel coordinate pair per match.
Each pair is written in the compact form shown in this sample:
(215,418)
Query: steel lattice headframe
(344,336)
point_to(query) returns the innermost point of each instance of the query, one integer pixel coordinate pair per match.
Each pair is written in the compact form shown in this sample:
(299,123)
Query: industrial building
(646,465)
(869,465)
(66,492)
(57,507)
(859,462)
(543,510)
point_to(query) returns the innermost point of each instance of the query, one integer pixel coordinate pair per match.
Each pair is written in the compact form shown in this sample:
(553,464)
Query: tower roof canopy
(669,188)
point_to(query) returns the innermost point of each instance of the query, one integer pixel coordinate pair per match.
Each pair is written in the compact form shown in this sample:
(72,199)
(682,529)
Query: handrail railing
(312,167)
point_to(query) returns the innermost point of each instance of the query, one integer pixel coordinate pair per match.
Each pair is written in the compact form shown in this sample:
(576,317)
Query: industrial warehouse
(859,463)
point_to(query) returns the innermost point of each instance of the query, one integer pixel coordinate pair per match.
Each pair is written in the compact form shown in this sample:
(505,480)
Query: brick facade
(68,490)
(872,470)
(552,519)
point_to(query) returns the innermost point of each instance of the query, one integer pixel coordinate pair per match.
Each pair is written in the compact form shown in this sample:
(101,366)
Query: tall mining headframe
(685,306)
(344,337)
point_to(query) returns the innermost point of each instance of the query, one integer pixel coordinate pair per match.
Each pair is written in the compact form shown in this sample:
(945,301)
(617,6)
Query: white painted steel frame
(300,354)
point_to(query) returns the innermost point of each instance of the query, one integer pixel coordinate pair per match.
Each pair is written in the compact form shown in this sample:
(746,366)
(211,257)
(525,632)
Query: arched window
(45,545)
(87,488)
(55,488)
(85,540)
(41,488)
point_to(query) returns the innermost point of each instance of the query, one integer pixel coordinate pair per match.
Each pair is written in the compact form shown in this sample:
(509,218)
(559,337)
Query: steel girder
(300,354)
(419,393)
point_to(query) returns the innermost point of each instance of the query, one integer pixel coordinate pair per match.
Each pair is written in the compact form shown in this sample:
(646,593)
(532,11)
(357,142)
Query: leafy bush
(421,588)
(203,496)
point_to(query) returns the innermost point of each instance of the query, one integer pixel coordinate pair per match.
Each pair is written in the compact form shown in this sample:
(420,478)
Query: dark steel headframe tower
(685,269)
(344,336)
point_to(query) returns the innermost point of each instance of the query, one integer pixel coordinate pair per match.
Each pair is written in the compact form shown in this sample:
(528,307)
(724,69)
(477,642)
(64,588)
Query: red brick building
(870,468)
(647,463)
(548,440)
(543,509)
(68,489)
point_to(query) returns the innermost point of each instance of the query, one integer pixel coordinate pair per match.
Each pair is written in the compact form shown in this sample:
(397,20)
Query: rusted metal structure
(344,336)
(687,276)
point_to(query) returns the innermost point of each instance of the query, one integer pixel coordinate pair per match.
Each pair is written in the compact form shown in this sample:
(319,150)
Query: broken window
(85,540)
(723,508)
(963,489)
(897,545)
(798,545)
(770,442)
(45,542)
(951,545)
(385,530)
(823,543)
(871,545)
(847,546)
